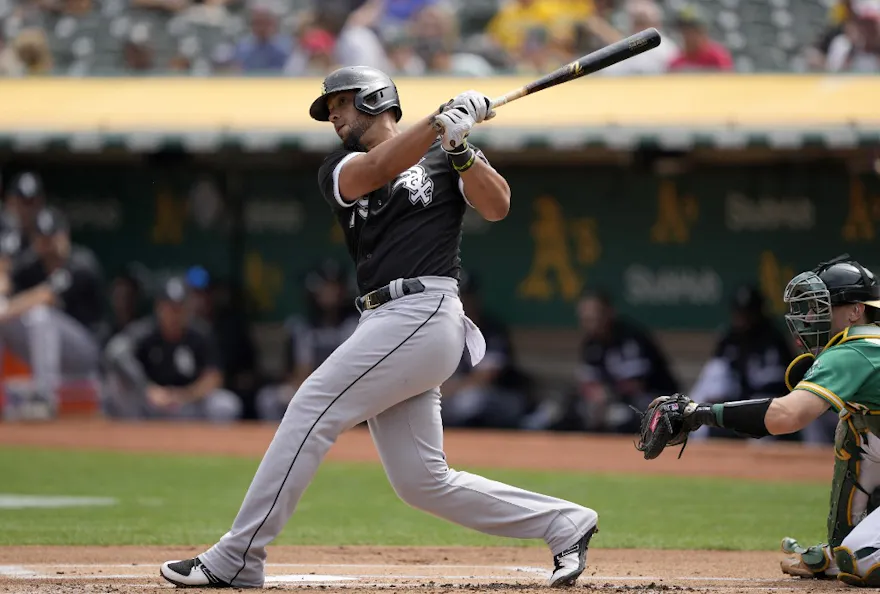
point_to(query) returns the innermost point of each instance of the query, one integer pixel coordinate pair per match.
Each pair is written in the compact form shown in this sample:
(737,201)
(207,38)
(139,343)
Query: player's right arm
(356,174)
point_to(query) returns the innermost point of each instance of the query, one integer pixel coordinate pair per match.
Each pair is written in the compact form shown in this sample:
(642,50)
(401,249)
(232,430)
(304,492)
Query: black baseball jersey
(410,227)
(630,354)
(757,361)
(79,284)
(174,364)
(12,242)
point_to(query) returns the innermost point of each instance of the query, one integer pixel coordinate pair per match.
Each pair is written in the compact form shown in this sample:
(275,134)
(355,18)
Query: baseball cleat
(795,566)
(190,573)
(570,563)
(808,563)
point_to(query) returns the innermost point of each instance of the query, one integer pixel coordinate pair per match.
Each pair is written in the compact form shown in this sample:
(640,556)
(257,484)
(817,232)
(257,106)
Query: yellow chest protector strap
(797,369)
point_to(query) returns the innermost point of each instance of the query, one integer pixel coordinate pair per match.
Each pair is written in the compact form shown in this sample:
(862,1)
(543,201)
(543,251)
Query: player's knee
(223,406)
(417,484)
(36,315)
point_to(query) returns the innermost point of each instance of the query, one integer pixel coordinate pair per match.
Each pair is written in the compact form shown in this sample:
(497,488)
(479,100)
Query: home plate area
(426,570)
(357,575)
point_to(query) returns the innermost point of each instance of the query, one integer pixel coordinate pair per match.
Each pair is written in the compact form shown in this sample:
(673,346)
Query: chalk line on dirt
(92,572)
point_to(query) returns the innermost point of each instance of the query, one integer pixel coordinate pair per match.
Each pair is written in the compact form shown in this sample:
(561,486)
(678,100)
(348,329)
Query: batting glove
(455,124)
(476,104)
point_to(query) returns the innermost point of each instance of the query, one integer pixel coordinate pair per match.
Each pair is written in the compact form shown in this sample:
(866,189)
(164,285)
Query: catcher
(834,318)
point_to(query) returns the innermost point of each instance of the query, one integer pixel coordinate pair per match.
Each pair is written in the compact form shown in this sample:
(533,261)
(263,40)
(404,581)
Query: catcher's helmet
(811,295)
(375,92)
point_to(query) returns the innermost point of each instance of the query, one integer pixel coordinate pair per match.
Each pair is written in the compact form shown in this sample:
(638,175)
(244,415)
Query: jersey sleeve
(836,375)
(328,177)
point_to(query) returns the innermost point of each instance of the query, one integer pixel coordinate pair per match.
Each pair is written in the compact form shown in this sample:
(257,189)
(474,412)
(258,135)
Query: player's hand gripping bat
(600,59)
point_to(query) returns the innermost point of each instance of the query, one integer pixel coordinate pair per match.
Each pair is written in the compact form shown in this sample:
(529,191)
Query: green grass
(188,500)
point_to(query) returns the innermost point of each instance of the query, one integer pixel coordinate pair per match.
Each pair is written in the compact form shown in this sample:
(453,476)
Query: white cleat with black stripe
(570,563)
(190,573)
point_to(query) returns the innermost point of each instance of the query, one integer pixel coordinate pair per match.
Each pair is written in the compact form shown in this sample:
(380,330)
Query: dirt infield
(124,570)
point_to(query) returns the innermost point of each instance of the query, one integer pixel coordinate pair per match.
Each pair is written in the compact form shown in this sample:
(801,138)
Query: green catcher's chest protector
(854,494)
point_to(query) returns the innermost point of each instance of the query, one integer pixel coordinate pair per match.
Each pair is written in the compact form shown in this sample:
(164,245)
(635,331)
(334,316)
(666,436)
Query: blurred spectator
(330,320)
(70,7)
(163,5)
(838,14)
(357,42)
(265,49)
(538,33)
(138,51)
(397,13)
(25,198)
(10,64)
(223,59)
(32,52)
(213,304)
(401,48)
(643,14)
(315,54)
(495,393)
(857,47)
(167,366)
(749,360)
(435,32)
(517,19)
(621,366)
(699,52)
(595,30)
(54,314)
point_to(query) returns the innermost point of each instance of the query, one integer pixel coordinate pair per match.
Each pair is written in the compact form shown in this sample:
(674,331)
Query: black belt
(383,295)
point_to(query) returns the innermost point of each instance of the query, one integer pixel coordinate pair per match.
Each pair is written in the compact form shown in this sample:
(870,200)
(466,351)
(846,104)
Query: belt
(393,290)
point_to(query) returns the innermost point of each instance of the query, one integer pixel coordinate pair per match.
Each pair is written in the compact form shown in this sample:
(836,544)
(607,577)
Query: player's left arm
(210,380)
(485,189)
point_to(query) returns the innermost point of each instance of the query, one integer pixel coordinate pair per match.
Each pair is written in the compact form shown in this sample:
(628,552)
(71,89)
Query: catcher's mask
(375,92)
(811,295)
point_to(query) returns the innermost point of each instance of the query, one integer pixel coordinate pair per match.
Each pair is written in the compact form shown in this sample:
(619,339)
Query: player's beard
(356,131)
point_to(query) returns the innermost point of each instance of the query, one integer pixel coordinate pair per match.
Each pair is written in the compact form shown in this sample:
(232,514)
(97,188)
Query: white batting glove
(455,124)
(476,104)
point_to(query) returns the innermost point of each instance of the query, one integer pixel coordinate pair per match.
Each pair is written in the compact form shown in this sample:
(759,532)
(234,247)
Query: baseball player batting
(399,197)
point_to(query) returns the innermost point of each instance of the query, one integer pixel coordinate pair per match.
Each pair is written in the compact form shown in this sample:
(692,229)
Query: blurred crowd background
(429,37)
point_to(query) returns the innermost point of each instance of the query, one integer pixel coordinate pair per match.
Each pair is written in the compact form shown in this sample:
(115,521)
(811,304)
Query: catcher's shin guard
(810,563)
(850,573)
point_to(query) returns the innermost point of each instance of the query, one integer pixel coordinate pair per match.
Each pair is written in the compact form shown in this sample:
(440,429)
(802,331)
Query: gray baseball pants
(388,373)
(53,344)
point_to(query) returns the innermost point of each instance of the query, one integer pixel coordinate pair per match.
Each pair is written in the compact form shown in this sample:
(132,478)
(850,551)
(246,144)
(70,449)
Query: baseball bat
(602,58)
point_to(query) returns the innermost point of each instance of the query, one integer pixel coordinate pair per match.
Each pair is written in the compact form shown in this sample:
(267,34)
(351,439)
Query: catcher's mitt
(663,424)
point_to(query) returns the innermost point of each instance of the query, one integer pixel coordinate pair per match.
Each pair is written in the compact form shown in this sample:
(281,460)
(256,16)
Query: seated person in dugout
(52,312)
(167,366)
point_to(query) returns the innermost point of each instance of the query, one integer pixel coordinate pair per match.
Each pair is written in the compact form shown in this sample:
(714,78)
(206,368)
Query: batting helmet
(375,92)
